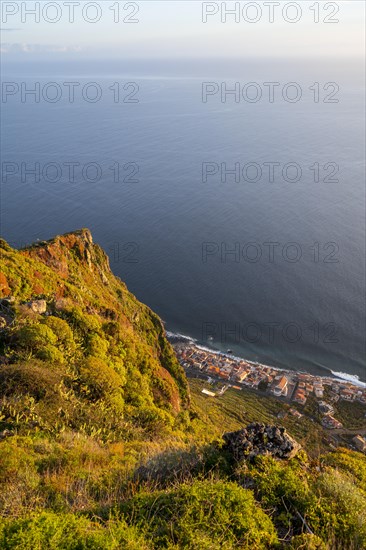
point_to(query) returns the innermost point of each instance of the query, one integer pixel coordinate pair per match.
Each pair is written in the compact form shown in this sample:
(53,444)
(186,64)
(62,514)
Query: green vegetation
(50,531)
(351,414)
(103,445)
(202,514)
(97,362)
(330,503)
(241,407)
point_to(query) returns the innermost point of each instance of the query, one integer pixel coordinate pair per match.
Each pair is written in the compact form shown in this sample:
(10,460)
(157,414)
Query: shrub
(16,462)
(351,462)
(83,322)
(62,331)
(153,420)
(99,377)
(32,378)
(203,515)
(50,354)
(35,337)
(307,542)
(96,345)
(348,507)
(18,478)
(50,531)
(276,480)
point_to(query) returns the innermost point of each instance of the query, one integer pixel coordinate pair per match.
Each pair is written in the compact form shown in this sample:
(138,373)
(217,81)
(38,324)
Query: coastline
(340,377)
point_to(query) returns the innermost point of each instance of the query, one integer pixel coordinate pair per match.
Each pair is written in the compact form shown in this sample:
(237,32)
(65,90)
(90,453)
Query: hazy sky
(174,29)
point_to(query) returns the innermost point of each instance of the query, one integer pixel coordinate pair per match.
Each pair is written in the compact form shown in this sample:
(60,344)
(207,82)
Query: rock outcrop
(38,306)
(259,439)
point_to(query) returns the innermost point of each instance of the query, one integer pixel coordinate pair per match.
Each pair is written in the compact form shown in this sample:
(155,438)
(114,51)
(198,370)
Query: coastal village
(290,386)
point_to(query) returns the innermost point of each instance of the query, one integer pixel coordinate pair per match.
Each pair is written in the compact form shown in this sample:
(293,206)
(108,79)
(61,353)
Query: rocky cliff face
(62,252)
(67,313)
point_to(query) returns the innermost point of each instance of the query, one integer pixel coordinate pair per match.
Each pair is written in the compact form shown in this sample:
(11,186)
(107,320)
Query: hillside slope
(100,448)
(81,350)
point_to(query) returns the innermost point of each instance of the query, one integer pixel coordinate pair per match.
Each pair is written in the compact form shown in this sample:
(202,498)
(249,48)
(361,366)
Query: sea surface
(273,270)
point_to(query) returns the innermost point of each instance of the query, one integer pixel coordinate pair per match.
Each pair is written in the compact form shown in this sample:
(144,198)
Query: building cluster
(328,421)
(224,367)
(291,385)
(308,384)
(347,391)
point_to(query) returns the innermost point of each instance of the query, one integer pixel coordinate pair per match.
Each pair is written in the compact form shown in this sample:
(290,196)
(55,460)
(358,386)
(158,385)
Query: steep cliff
(83,352)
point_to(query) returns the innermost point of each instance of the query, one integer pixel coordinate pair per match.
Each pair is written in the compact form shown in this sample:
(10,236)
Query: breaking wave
(350,378)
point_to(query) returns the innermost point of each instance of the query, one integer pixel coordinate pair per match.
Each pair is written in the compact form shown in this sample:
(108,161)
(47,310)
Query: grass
(351,414)
(236,408)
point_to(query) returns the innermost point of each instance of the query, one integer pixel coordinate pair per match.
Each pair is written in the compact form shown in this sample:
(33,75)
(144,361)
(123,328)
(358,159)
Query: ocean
(238,219)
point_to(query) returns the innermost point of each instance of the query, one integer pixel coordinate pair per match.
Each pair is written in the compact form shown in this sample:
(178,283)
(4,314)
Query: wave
(178,336)
(353,378)
(237,358)
(350,378)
